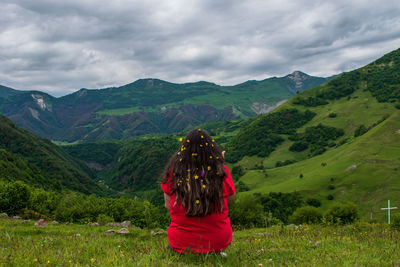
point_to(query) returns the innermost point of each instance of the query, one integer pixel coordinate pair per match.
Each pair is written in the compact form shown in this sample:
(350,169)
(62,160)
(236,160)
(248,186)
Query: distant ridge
(145,106)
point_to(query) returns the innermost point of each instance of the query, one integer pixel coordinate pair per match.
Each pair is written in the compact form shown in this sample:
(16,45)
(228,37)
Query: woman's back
(210,233)
(196,186)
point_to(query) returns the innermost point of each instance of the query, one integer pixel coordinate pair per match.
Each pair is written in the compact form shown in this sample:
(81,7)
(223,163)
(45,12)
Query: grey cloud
(61,46)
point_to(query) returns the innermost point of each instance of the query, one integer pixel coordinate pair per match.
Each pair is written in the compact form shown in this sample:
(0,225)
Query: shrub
(298,146)
(341,213)
(246,211)
(331,187)
(284,163)
(330,197)
(242,187)
(13,197)
(332,115)
(395,222)
(103,219)
(360,130)
(313,202)
(307,214)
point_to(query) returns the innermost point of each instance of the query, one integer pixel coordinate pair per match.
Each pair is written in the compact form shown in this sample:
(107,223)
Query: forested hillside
(39,162)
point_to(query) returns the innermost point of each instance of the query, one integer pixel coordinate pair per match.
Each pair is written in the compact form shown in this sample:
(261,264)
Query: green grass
(375,180)
(360,244)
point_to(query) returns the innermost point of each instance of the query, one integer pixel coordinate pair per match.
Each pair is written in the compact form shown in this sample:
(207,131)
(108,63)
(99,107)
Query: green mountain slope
(350,149)
(38,162)
(146,106)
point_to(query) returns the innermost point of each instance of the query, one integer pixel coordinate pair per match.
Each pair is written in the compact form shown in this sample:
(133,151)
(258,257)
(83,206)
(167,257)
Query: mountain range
(145,106)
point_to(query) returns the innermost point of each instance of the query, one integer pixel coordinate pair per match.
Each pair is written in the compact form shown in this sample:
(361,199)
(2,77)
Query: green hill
(39,162)
(350,149)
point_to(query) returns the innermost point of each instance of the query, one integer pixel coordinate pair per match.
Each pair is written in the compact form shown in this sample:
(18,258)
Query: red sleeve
(167,187)
(229,187)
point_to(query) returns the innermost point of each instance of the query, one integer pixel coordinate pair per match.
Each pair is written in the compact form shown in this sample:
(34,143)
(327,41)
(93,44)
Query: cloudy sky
(62,46)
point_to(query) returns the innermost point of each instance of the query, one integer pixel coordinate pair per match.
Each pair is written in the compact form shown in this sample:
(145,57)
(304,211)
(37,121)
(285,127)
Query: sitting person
(197,186)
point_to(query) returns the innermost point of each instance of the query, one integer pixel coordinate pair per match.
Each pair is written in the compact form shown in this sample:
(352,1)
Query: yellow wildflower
(92,260)
(35,260)
(197,201)
(206,144)
(180,159)
(209,168)
(48,261)
(213,140)
(202,136)
(119,246)
(187,179)
(204,186)
(201,145)
(188,140)
(199,129)
(180,139)
(196,177)
(188,170)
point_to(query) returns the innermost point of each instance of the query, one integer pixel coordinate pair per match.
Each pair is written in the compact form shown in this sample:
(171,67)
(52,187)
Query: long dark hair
(197,173)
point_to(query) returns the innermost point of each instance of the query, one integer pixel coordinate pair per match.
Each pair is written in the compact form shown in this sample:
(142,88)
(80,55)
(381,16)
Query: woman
(197,186)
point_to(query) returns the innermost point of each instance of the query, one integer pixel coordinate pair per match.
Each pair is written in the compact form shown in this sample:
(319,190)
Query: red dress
(211,233)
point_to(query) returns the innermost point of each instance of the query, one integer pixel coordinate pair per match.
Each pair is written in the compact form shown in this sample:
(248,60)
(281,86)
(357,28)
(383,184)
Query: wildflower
(217,157)
(202,136)
(199,130)
(201,145)
(188,140)
(180,159)
(48,261)
(187,179)
(92,260)
(204,186)
(181,139)
(188,170)
(212,145)
(213,140)
(196,177)
(206,144)
(119,246)
(209,168)
(260,250)
(316,243)
(210,157)
(197,201)
(35,260)
(202,173)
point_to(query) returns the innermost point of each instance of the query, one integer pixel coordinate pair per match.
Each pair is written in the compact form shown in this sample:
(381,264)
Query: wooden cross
(389,208)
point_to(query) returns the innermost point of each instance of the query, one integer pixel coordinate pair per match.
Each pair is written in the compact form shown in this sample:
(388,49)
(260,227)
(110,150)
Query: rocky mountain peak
(298,78)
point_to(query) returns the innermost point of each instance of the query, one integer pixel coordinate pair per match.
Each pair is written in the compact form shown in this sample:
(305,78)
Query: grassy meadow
(360,244)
